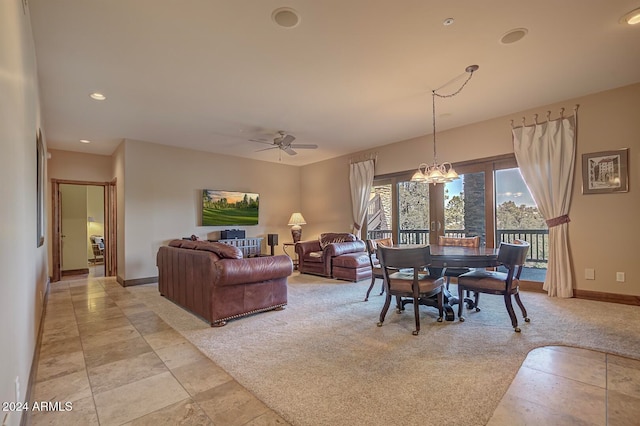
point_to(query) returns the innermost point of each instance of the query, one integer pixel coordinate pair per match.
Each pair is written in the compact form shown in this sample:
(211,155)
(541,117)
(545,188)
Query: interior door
(73,206)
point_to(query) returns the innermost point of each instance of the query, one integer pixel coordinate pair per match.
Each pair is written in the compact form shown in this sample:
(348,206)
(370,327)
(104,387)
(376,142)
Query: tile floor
(119,363)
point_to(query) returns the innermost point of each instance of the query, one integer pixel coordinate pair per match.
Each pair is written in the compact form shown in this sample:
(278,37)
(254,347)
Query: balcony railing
(537,238)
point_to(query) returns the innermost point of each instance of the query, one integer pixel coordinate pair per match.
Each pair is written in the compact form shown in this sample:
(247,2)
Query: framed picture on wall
(40,161)
(605,172)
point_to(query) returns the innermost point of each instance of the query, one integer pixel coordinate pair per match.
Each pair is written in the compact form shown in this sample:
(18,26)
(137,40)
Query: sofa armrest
(337,249)
(252,270)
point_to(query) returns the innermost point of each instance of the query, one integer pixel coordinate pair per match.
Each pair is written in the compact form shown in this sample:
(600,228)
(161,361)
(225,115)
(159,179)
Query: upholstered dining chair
(376,270)
(459,242)
(406,275)
(512,256)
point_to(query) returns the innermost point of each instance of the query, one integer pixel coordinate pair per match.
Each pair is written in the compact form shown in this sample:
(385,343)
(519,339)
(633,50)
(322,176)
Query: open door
(109,226)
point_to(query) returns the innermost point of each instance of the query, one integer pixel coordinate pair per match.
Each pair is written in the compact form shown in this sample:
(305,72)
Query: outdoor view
(517,216)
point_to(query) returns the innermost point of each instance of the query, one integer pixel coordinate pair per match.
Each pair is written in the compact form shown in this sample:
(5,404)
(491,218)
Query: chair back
(399,258)
(513,255)
(372,247)
(459,242)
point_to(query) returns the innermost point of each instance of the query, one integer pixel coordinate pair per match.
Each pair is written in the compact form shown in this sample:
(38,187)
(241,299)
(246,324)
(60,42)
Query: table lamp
(295,221)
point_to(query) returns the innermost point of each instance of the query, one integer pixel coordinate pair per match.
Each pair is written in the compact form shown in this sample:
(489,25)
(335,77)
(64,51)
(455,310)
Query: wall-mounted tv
(227,208)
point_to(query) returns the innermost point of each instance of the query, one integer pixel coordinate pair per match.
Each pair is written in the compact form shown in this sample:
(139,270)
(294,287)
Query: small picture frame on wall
(605,172)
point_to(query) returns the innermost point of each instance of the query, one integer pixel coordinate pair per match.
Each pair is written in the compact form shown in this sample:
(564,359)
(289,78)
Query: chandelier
(444,172)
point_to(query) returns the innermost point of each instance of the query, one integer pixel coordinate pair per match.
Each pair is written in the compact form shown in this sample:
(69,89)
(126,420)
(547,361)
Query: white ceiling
(353,74)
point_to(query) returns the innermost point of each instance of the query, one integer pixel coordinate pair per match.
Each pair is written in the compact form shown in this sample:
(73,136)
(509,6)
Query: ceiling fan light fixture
(97,96)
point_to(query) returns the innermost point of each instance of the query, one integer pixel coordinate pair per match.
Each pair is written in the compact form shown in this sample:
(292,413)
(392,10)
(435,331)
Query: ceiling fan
(284,142)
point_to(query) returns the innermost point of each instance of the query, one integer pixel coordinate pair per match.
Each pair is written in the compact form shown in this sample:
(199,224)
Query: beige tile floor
(119,363)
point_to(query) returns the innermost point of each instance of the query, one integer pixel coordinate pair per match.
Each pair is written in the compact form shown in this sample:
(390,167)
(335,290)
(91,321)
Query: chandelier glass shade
(444,172)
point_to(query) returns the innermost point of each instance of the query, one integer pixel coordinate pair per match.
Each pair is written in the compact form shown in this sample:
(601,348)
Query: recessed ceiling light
(85,141)
(286,17)
(631,18)
(98,96)
(447,22)
(514,35)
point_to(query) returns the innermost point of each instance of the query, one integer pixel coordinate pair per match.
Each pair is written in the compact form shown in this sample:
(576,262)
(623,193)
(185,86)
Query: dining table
(457,257)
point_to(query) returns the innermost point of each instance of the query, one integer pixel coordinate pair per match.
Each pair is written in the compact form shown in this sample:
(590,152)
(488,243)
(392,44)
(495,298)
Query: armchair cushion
(335,237)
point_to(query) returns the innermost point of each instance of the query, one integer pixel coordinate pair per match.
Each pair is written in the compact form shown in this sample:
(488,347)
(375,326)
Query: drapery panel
(546,156)
(361,179)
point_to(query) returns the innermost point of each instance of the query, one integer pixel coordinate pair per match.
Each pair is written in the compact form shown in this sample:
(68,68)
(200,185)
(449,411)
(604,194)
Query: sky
(509,187)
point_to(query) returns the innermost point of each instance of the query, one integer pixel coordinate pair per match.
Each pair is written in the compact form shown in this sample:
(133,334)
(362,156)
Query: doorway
(83,237)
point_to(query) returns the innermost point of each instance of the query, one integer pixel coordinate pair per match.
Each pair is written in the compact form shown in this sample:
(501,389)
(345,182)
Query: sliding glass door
(489,200)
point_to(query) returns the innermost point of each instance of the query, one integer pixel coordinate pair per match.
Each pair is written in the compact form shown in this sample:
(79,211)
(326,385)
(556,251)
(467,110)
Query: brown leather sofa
(214,281)
(317,257)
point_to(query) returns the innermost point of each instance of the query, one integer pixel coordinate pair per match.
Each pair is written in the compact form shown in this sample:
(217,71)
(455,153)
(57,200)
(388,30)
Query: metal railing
(537,238)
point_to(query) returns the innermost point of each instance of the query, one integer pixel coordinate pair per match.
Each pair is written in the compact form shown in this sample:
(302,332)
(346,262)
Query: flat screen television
(229,208)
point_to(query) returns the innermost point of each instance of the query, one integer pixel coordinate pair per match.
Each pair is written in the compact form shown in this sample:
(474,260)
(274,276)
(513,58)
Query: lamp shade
(297,219)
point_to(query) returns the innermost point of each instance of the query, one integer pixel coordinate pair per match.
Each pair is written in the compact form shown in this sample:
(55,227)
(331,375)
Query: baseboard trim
(25,419)
(137,281)
(82,271)
(600,296)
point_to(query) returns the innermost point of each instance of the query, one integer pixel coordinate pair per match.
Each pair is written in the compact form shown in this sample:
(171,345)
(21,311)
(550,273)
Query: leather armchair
(315,257)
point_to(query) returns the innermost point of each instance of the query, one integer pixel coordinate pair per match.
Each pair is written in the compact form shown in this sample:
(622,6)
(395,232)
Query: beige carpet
(323,360)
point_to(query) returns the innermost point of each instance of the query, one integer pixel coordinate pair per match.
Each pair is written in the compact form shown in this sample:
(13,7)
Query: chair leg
(440,306)
(385,308)
(476,299)
(512,314)
(416,313)
(524,311)
(373,281)
(460,302)
(447,282)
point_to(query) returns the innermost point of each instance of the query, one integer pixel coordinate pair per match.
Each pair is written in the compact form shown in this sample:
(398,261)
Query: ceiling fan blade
(259,141)
(289,151)
(267,149)
(286,140)
(304,146)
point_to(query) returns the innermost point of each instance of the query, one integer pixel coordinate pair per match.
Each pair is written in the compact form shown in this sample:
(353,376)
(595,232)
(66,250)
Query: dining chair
(458,242)
(406,275)
(510,255)
(376,270)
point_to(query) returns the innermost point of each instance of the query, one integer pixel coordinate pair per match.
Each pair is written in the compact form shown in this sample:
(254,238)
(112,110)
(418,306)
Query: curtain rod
(535,117)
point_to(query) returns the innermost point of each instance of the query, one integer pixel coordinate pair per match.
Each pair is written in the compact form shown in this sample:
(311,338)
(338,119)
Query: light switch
(589,274)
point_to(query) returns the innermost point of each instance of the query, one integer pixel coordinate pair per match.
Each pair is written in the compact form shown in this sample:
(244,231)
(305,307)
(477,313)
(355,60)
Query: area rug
(323,360)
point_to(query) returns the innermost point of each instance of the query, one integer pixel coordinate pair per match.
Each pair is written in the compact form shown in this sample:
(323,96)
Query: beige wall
(162,198)
(23,265)
(603,229)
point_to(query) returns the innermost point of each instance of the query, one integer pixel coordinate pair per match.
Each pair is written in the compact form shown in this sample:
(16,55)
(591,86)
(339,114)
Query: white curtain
(546,156)
(361,179)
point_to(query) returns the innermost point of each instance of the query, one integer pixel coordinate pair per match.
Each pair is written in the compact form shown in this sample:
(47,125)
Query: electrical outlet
(589,274)
(620,277)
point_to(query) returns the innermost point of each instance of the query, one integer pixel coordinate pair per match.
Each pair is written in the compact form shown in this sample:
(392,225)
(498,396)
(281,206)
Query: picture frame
(40,187)
(605,171)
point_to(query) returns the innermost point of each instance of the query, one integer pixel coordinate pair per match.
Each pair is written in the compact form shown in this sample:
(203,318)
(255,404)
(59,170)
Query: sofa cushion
(335,237)
(223,251)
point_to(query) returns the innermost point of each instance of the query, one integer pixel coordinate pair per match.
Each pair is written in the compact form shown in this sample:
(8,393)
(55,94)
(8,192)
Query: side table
(294,258)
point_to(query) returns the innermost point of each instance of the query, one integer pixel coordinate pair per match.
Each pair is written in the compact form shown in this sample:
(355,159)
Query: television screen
(225,208)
